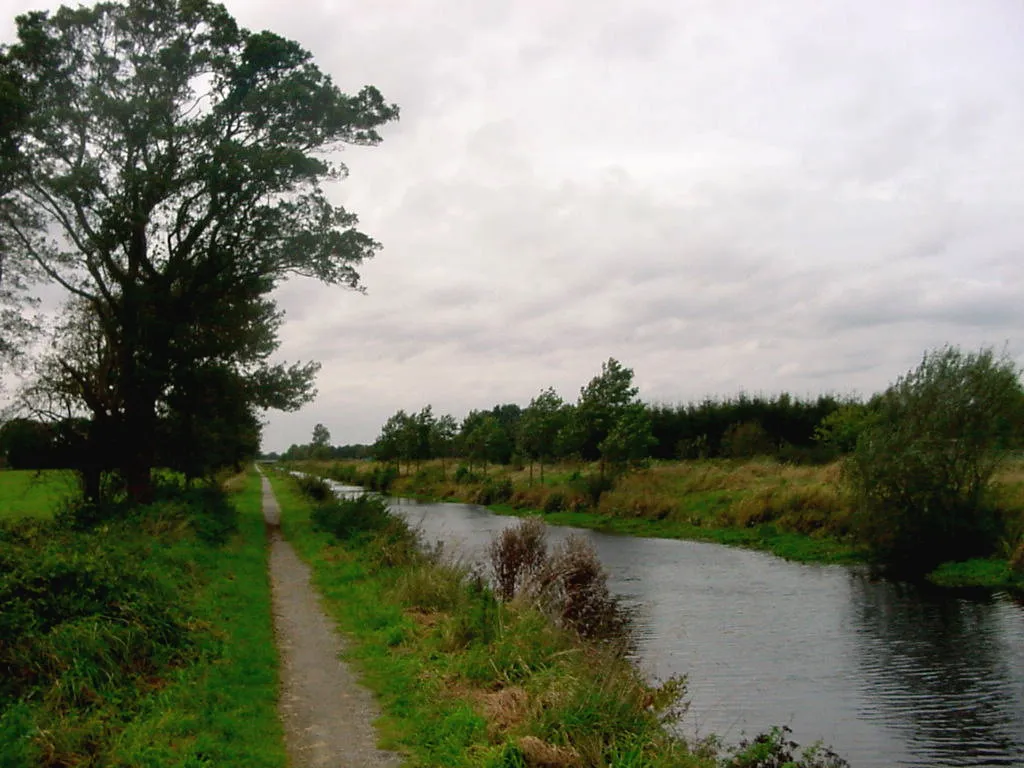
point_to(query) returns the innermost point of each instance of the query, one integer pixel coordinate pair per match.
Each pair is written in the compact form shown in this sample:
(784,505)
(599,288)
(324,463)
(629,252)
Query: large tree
(175,163)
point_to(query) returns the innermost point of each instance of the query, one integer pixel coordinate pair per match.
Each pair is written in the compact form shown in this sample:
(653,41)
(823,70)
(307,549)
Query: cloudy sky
(724,195)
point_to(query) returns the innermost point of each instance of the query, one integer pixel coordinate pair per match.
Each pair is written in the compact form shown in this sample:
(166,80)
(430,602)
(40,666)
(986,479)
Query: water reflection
(887,673)
(946,672)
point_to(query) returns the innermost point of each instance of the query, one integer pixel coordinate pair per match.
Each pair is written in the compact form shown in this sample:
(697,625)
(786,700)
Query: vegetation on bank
(139,635)
(467,679)
(915,486)
(798,512)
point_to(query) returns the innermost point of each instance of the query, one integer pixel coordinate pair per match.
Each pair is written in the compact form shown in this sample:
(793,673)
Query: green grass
(466,681)
(157,652)
(991,573)
(31,493)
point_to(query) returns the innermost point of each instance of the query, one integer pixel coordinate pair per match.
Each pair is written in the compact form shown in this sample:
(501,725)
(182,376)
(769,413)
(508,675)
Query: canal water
(889,674)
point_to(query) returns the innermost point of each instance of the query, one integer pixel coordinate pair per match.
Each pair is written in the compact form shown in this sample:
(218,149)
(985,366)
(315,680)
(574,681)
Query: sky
(726,196)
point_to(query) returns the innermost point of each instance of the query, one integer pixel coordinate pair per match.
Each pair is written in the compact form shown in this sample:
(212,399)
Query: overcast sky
(764,196)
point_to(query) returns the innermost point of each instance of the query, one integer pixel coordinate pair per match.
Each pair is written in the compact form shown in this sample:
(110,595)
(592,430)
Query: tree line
(608,424)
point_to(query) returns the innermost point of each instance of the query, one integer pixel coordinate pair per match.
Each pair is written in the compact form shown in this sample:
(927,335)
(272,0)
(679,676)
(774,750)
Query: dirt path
(328,716)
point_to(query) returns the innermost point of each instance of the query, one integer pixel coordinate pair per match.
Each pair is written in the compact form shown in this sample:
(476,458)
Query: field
(28,493)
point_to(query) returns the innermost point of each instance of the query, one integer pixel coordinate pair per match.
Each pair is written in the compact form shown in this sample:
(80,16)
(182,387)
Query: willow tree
(176,165)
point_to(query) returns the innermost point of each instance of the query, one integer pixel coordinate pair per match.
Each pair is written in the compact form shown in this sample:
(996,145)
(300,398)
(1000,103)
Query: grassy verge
(144,641)
(465,680)
(29,493)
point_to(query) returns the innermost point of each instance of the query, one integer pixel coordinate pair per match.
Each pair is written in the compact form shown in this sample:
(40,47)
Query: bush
(464,474)
(1017,560)
(572,586)
(315,488)
(555,502)
(516,554)
(346,518)
(775,749)
(921,469)
(591,486)
(494,491)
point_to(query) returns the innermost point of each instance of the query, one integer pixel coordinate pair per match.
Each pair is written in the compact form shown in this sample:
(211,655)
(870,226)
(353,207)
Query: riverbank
(796,512)
(465,680)
(137,640)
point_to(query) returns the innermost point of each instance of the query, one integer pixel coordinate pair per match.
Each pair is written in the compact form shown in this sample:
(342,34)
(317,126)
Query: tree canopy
(174,164)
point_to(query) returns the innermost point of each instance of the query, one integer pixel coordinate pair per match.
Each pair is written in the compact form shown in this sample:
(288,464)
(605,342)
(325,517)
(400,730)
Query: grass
(158,649)
(31,493)
(466,680)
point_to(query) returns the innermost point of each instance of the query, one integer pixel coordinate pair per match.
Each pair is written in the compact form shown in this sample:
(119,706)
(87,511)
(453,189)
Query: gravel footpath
(328,716)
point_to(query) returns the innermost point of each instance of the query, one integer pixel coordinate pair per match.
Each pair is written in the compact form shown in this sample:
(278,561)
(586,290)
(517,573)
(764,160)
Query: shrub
(516,554)
(464,474)
(591,486)
(921,470)
(345,518)
(494,491)
(775,749)
(746,440)
(383,477)
(555,502)
(83,614)
(314,488)
(572,586)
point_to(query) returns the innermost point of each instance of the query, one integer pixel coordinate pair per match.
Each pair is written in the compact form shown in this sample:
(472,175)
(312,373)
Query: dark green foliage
(591,485)
(921,470)
(775,749)
(315,488)
(88,614)
(696,430)
(464,474)
(170,224)
(746,440)
(494,491)
(345,518)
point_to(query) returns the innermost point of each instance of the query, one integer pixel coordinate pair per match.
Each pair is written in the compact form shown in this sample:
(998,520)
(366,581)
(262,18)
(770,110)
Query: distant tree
(389,445)
(921,469)
(442,440)
(600,404)
(628,443)
(320,445)
(482,438)
(174,167)
(539,427)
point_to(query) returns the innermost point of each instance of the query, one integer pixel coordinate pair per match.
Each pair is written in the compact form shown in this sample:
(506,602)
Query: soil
(328,716)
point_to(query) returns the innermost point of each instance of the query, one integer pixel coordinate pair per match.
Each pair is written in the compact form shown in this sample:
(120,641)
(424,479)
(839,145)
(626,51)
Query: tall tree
(541,422)
(601,403)
(175,164)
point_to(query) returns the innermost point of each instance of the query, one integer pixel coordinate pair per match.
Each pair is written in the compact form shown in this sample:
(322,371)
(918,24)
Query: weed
(775,749)
(516,554)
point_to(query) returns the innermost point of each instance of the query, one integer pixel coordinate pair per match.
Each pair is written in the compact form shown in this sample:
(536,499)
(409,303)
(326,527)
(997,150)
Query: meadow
(34,493)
